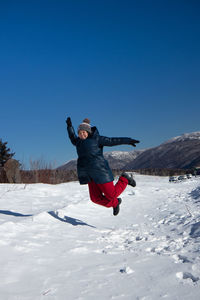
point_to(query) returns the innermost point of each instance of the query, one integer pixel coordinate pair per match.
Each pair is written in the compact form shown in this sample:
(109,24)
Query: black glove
(69,122)
(133,142)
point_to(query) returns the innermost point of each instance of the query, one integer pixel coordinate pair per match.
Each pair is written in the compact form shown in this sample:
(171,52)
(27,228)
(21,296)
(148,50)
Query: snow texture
(184,137)
(56,244)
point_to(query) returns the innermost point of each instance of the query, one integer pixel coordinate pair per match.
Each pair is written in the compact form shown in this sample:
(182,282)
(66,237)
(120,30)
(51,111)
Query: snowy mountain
(180,152)
(56,244)
(116,159)
(185,136)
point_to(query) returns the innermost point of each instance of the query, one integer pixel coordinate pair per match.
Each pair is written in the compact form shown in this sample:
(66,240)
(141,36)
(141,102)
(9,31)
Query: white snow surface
(56,244)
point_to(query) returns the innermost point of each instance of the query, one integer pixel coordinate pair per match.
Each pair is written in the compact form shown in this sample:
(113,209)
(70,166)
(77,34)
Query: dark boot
(116,209)
(130,179)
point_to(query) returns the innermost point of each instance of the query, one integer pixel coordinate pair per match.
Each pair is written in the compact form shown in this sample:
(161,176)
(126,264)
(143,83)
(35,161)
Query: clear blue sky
(132,67)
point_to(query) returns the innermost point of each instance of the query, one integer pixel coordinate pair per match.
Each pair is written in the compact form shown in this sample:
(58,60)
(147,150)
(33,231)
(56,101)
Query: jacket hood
(95,131)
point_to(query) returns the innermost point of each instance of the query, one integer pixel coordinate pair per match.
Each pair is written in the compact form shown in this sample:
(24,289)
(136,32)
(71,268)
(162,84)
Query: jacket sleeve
(114,141)
(72,135)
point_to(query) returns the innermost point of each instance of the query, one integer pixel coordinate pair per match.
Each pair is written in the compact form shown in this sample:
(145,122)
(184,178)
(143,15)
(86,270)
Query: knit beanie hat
(85,125)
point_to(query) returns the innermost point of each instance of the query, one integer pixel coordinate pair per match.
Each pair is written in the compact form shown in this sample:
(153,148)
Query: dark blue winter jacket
(91,164)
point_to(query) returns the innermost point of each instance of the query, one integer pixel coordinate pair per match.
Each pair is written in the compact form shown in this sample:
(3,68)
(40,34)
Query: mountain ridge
(178,152)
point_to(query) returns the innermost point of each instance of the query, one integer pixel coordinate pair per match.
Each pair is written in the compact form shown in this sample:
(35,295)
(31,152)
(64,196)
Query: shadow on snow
(12,213)
(72,221)
(195,230)
(195,194)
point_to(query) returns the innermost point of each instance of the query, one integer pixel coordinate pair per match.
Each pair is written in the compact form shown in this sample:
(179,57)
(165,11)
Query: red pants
(106,193)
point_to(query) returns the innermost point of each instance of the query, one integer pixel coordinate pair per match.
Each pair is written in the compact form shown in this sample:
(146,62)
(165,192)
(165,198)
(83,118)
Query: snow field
(56,244)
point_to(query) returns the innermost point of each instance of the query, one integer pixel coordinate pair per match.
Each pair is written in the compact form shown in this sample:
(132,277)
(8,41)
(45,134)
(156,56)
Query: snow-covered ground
(56,244)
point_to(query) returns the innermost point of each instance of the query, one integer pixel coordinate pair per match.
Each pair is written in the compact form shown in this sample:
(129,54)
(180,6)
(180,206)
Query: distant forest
(55,176)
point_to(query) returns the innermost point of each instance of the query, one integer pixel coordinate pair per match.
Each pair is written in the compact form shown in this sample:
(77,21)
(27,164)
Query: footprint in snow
(195,230)
(181,258)
(186,275)
(126,270)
